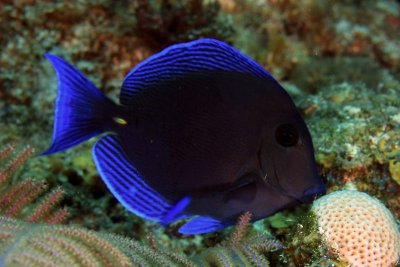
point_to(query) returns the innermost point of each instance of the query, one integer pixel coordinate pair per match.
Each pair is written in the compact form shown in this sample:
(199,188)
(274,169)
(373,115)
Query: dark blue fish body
(201,130)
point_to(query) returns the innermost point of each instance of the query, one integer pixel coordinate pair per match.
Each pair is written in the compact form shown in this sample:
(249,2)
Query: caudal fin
(80,110)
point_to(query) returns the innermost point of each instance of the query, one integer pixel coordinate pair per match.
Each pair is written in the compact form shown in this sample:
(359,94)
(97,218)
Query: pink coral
(359,228)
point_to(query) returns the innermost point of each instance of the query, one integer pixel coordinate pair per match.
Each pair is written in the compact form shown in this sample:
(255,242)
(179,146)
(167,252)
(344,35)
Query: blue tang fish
(201,130)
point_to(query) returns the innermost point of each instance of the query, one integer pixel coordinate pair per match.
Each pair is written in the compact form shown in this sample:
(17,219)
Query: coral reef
(358,228)
(321,72)
(344,228)
(356,138)
(339,59)
(180,21)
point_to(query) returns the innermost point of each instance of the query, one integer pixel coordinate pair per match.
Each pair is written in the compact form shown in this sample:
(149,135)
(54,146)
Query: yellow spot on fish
(120,121)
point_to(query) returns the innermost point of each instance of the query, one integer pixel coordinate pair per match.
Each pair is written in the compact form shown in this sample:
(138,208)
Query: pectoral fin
(244,189)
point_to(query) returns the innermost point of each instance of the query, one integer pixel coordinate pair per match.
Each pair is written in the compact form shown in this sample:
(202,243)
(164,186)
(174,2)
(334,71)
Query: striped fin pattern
(125,182)
(195,56)
(78,108)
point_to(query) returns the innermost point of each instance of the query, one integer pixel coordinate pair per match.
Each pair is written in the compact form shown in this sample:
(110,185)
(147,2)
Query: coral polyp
(358,228)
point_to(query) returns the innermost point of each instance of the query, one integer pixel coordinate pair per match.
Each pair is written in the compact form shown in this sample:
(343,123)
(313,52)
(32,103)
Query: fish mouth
(313,192)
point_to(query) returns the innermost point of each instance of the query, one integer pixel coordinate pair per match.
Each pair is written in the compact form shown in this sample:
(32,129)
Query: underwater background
(339,60)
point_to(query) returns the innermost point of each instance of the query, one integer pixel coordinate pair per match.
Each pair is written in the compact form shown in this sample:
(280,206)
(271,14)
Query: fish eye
(287,135)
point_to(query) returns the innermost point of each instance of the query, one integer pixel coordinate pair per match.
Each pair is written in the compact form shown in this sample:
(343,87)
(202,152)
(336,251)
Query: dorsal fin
(195,56)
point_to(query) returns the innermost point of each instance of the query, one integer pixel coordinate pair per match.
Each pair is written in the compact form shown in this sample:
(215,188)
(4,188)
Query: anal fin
(125,182)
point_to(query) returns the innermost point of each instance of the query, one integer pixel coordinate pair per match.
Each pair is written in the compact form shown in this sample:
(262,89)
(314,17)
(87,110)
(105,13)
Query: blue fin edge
(176,212)
(202,225)
(79,107)
(127,184)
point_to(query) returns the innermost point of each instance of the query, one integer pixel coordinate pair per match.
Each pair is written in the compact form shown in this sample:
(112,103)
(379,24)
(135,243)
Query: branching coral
(17,196)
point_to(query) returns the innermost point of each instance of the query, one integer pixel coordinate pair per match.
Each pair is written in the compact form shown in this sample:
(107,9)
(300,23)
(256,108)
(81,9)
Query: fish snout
(313,192)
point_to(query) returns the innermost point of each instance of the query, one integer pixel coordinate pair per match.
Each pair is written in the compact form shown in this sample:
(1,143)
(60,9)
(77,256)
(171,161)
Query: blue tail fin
(80,109)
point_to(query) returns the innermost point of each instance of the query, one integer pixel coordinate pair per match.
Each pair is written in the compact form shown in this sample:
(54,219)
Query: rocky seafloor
(339,60)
